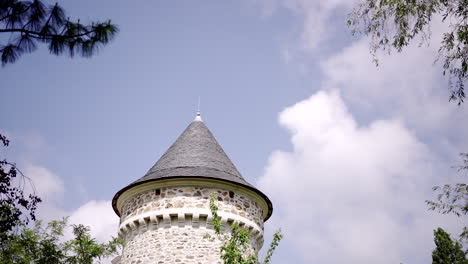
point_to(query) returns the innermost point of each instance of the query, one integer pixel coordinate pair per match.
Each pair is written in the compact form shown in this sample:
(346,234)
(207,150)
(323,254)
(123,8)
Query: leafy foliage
(85,249)
(30,22)
(453,199)
(235,248)
(44,245)
(16,209)
(393,24)
(274,243)
(447,251)
(37,245)
(40,245)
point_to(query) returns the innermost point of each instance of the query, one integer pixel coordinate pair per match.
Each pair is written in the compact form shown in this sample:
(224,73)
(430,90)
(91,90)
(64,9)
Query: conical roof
(196,153)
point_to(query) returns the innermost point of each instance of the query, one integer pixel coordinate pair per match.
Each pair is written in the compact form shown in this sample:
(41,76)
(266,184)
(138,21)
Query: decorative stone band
(196,182)
(181,217)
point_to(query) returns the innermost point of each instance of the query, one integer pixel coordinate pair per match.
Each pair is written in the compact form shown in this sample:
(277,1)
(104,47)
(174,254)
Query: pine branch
(19,13)
(42,35)
(31,21)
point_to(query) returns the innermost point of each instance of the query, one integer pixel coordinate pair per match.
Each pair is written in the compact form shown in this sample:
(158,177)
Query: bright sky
(347,152)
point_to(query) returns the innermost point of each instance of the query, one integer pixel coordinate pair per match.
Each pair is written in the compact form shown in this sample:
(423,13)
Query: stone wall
(173,224)
(192,197)
(172,245)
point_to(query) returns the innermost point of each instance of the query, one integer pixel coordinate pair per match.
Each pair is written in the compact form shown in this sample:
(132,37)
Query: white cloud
(318,23)
(353,191)
(407,86)
(50,187)
(349,193)
(47,185)
(99,216)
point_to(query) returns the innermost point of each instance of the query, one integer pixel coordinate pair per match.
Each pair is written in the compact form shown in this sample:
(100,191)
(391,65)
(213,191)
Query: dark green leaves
(26,43)
(29,22)
(84,249)
(57,16)
(9,53)
(16,208)
(447,251)
(46,245)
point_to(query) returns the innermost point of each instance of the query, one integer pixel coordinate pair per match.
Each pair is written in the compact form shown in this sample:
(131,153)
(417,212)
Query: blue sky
(292,97)
(141,91)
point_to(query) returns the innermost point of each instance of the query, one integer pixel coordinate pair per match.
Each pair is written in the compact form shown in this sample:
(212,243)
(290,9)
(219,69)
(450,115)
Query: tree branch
(19,13)
(25,31)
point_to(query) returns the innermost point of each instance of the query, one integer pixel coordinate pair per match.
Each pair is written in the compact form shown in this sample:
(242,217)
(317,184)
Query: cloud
(47,185)
(320,21)
(349,193)
(50,187)
(406,85)
(99,216)
(367,149)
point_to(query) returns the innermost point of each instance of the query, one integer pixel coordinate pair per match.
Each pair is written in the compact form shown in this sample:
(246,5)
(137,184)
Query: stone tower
(165,216)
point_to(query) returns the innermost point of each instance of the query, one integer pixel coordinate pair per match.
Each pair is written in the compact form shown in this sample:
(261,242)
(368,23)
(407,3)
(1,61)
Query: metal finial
(198,117)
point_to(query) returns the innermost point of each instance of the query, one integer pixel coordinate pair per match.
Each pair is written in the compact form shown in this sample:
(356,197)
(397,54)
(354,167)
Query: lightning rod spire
(198,117)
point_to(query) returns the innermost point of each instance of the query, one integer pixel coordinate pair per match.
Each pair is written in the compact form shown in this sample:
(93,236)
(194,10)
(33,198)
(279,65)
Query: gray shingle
(196,153)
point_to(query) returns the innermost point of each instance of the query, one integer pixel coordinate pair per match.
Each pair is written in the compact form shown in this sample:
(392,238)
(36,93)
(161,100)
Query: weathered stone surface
(190,197)
(174,240)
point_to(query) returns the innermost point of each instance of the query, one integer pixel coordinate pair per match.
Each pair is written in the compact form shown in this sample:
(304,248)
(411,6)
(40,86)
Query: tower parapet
(165,216)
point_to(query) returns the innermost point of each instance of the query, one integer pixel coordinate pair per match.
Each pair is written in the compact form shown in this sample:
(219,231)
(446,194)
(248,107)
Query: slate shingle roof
(196,153)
